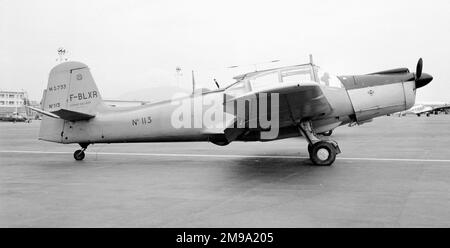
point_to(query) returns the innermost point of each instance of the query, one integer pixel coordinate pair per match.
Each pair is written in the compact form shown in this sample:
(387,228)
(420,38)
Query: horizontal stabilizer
(64,114)
(72,115)
(40,111)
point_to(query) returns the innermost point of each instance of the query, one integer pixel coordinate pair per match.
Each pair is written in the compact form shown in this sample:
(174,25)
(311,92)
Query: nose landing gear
(321,152)
(79,154)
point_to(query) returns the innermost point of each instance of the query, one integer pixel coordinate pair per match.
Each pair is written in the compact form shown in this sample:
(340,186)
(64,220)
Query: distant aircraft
(300,100)
(429,108)
(15,117)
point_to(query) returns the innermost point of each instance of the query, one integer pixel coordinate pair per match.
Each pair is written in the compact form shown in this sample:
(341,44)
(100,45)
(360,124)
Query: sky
(131,45)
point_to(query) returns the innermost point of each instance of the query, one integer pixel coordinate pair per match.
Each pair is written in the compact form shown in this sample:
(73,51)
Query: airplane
(429,108)
(304,100)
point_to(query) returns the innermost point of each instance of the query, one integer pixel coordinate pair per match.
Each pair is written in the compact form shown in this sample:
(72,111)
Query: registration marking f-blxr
(83,95)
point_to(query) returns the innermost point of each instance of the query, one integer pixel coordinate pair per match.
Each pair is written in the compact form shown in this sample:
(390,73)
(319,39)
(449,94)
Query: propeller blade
(422,79)
(419,69)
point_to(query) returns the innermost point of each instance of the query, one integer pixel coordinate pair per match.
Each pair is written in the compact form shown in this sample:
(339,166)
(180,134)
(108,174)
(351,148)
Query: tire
(310,150)
(79,155)
(323,153)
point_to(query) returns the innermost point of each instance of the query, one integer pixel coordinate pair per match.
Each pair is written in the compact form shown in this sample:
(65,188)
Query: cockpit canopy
(258,80)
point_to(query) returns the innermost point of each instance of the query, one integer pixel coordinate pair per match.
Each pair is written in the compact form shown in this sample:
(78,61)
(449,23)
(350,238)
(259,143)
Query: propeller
(421,79)
(419,68)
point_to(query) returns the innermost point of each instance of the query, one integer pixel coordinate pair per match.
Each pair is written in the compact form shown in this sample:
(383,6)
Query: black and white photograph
(224,114)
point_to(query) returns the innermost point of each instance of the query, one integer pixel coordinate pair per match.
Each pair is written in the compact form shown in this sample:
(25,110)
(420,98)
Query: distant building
(12,102)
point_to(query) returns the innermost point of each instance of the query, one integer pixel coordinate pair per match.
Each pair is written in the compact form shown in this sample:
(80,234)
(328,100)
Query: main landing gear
(321,152)
(79,154)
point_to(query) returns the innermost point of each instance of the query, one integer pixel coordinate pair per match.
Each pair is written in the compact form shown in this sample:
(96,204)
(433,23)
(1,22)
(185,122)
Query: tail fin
(71,92)
(71,95)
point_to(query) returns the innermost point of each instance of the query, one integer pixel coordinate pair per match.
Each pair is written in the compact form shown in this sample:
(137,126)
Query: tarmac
(392,172)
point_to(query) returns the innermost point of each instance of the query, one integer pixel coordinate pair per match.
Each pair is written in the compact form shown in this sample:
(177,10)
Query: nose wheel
(79,155)
(321,152)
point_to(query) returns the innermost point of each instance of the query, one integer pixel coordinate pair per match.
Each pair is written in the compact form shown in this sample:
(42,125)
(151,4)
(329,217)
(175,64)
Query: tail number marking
(141,121)
(57,87)
(54,105)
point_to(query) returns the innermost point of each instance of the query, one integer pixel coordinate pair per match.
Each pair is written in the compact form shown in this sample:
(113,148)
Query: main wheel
(322,153)
(310,147)
(78,155)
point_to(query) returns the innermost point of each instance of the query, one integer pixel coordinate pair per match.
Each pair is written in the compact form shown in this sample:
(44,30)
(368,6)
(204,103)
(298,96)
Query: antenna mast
(193,82)
(311,59)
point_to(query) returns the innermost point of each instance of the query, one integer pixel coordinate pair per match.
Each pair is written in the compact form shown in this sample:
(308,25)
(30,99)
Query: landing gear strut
(79,154)
(321,152)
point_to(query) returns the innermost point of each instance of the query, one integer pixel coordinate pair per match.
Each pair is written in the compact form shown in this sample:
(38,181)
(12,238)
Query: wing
(296,102)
